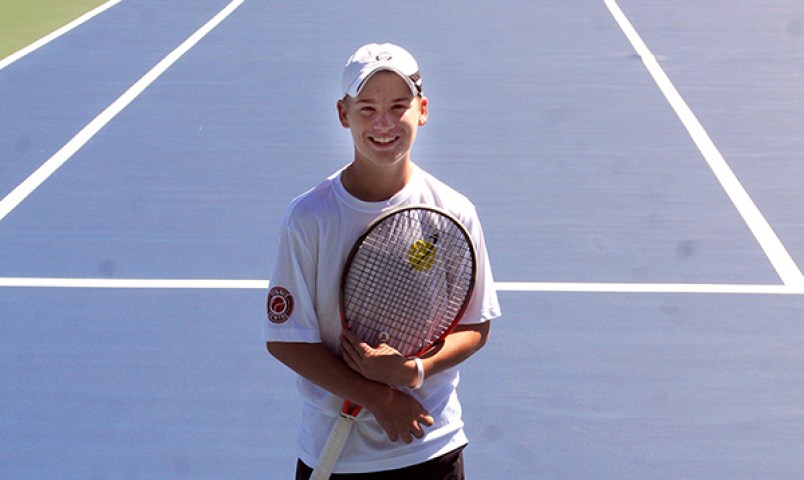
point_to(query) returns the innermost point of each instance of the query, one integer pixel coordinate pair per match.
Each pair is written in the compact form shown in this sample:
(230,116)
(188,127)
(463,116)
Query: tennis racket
(407,282)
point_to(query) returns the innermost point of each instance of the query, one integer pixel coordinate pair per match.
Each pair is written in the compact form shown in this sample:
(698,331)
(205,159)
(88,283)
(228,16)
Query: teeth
(383,139)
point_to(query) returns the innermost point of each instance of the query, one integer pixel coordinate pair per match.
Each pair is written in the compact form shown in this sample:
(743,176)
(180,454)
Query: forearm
(458,346)
(318,364)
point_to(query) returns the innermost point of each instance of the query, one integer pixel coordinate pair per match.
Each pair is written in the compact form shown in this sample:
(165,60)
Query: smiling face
(383,120)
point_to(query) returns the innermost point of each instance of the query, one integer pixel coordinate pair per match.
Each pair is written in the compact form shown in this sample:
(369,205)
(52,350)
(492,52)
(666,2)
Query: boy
(403,432)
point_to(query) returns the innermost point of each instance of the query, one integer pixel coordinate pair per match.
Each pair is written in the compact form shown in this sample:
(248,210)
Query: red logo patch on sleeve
(280,305)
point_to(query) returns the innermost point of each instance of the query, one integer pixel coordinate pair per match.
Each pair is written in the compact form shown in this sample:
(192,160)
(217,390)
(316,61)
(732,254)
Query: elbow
(476,335)
(485,332)
(273,349)
(279,351)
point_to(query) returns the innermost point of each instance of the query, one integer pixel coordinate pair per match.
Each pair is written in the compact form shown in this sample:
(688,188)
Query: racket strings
(405,297)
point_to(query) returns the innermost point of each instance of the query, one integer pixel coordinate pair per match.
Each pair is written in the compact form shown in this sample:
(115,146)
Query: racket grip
(333,447)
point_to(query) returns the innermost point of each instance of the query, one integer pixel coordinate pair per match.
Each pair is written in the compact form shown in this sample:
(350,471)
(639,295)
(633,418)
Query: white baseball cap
(372,58)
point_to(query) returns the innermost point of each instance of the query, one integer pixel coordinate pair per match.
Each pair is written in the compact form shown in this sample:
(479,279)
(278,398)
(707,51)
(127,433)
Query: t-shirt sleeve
(290,310)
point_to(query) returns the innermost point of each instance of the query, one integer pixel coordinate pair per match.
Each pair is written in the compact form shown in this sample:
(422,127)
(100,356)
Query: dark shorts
(445,467)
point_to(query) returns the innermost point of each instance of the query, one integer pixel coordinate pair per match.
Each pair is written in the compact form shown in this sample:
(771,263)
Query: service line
(776,252)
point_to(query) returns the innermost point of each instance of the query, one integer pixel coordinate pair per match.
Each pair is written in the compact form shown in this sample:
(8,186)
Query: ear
(423,110)
(342,113)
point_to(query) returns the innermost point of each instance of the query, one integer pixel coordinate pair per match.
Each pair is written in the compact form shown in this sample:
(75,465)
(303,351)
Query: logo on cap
(280,305)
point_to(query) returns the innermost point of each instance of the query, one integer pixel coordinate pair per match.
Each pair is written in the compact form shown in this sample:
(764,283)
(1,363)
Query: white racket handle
(333,447)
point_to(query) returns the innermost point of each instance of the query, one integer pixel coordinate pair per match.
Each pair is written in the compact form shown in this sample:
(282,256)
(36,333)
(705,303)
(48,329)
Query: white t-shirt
(316,235)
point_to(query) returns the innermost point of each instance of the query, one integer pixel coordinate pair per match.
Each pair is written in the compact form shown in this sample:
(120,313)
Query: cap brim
(356,86)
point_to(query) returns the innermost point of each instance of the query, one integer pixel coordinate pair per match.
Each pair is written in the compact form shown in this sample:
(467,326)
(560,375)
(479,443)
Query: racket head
(408,279)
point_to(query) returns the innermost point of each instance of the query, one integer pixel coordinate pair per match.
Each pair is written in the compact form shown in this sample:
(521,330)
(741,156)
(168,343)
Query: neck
(378,183)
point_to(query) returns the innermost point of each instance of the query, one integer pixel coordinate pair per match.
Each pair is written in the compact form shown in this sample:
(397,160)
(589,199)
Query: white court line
(781,260)
(37,282)
(56,33)
(708,288)
(143,283)
(24,189)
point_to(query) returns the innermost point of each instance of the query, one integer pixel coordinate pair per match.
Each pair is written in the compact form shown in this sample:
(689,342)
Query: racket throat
(350,410)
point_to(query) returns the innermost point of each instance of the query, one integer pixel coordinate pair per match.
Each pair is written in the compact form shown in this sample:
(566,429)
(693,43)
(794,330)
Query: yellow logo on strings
(421,255)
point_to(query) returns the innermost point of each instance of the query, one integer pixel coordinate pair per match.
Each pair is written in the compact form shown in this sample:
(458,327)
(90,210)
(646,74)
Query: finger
(349,337)
(348,360)
(347,341)
(350,357)
(426,420)
(346,348)
(358,346)
(407,437)
(387,349)
(417,429)
(350,349)
(418,432)
(356,343)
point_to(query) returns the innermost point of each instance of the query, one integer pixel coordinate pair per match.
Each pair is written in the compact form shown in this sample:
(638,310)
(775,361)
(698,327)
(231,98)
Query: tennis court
(637,166)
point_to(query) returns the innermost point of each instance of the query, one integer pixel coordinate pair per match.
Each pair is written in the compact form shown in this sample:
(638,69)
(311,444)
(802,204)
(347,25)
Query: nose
(384,121)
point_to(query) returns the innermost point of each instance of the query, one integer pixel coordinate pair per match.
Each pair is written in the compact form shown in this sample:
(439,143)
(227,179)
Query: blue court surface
(637,166)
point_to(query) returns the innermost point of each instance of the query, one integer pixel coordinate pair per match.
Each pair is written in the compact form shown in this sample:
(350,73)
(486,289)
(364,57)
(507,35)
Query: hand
(400,415)
(382,364)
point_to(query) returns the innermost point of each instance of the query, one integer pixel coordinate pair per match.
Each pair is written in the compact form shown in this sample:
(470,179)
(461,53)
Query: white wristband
(419,373)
